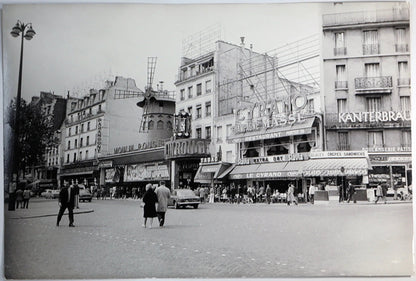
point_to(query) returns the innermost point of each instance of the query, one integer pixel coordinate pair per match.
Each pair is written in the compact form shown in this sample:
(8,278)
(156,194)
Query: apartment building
(366,70)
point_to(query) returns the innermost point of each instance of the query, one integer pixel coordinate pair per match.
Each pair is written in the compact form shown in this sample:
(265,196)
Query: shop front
(83,173)
(212,171)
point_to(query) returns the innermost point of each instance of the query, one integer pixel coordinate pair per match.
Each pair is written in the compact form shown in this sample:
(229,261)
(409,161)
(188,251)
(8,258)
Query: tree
(35,134)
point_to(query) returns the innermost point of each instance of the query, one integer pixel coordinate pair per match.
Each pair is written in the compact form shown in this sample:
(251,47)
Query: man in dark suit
(66,200)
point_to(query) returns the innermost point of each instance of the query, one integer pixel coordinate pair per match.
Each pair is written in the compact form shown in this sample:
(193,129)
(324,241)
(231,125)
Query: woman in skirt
(149,208)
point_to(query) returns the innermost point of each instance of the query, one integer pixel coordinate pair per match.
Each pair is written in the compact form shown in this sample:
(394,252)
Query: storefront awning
(267,170)
(302,128)
(224,173)
(211,171)
(210,168)
(202,177)
(77,174)
(336,167)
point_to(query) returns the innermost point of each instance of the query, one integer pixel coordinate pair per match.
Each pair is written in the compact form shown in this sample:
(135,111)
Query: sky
(78,45)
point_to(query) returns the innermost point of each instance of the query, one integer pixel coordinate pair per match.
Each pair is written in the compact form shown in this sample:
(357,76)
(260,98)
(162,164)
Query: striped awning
(267,170)
(336,167)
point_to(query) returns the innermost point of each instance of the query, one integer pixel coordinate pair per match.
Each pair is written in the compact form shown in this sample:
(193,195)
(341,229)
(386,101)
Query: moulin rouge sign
(373,117)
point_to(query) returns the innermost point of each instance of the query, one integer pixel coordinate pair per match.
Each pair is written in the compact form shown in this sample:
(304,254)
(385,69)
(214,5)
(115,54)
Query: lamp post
(18,30)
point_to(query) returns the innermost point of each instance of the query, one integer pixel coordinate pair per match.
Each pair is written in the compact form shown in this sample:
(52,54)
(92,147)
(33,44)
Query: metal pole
(16,159)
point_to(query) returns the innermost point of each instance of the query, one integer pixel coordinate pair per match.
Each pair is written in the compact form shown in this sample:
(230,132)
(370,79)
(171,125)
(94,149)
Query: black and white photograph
(206,140)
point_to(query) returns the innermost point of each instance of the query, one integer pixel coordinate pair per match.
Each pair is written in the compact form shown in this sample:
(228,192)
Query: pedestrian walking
(312,189)
(211,195)
(351,193)
(202,194)
(149,208)
(380,194)
(290,195)
(163,194)
(76,191)
(268,194)
(341,193)
(26,197)
(19,198)
(66,201)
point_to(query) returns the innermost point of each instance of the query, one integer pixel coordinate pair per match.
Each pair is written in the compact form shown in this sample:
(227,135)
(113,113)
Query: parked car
(50,194)
(84,194)
(183,198)
(402,193)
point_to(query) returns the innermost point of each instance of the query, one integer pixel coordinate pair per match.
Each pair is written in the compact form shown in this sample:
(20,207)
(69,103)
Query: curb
(51,215)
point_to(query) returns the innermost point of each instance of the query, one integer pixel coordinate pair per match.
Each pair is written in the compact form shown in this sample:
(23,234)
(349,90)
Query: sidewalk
(42,208)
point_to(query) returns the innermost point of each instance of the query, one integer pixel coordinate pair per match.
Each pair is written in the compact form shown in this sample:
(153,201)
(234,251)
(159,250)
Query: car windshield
(185,192)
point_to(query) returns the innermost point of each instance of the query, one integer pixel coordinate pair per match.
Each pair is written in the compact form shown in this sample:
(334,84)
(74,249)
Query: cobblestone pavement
(215,241)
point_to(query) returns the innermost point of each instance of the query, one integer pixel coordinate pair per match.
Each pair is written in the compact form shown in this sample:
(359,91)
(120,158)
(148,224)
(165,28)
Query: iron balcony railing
(402,48)
(341,84)
(371,49)
(366,83)
(375,16)
(341,51)
(403,81)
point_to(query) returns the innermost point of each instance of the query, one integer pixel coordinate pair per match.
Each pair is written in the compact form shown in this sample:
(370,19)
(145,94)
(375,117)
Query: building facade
(366,69)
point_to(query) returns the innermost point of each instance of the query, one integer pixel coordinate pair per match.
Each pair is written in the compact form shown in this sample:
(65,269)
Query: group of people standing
(155,204)
(22,198)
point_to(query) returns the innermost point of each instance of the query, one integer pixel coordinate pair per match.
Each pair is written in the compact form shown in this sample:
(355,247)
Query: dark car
(183,198)
(84,194)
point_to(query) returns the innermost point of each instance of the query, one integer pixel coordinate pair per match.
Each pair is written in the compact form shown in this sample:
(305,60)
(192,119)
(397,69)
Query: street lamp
(18,29)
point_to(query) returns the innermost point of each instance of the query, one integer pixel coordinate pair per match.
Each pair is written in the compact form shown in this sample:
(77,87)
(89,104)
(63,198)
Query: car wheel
(176,205)
(196,206)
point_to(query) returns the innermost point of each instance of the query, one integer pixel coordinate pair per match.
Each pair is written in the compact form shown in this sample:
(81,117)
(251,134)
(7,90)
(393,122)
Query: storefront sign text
(262,175)
(99,134)
(273,159)
(187,147)
(373,117)
(389,149)
(105,164)
(141,172)
(335,154)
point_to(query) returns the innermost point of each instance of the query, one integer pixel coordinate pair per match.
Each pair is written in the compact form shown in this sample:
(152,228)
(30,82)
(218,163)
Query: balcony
(365,17)
(402,48)
(185,76)
(403,82)
(341,84)
(342,51)
(373,85)
(371,49)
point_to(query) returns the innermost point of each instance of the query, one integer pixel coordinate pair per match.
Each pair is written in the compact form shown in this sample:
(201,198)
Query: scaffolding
(279,73)
(202,42)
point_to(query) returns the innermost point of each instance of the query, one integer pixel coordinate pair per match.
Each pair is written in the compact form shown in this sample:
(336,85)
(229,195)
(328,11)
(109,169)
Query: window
(86,154)
(160,125)
(190,92)
(198,133)
(82,128)
(229,156)
(370,45)
(208,108)
(372,70)
(184,73)
(310,105)
(76,129)
(80,155)
(208,132)
(375,139)
(208,86)
(99,108)
(228,130)
(219,134)
(169,125)
(88,140)
(405,104)
(373,104)
(198,111)
(69,144)
(161,107)
(190,110)
(88,126)
(76,144)
(341,82)
(199,89)
(183,94)
(342,105)
(401,42)
(403,74)
(339,44)
(75,157)
(406,138)
(343,141)
(81,142)
(90,111)
(67,158)
(151,125)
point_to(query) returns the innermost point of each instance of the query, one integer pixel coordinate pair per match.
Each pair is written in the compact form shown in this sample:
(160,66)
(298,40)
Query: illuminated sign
(139,146)
(99,134)
(273,159)
(187,148)
(373,117)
